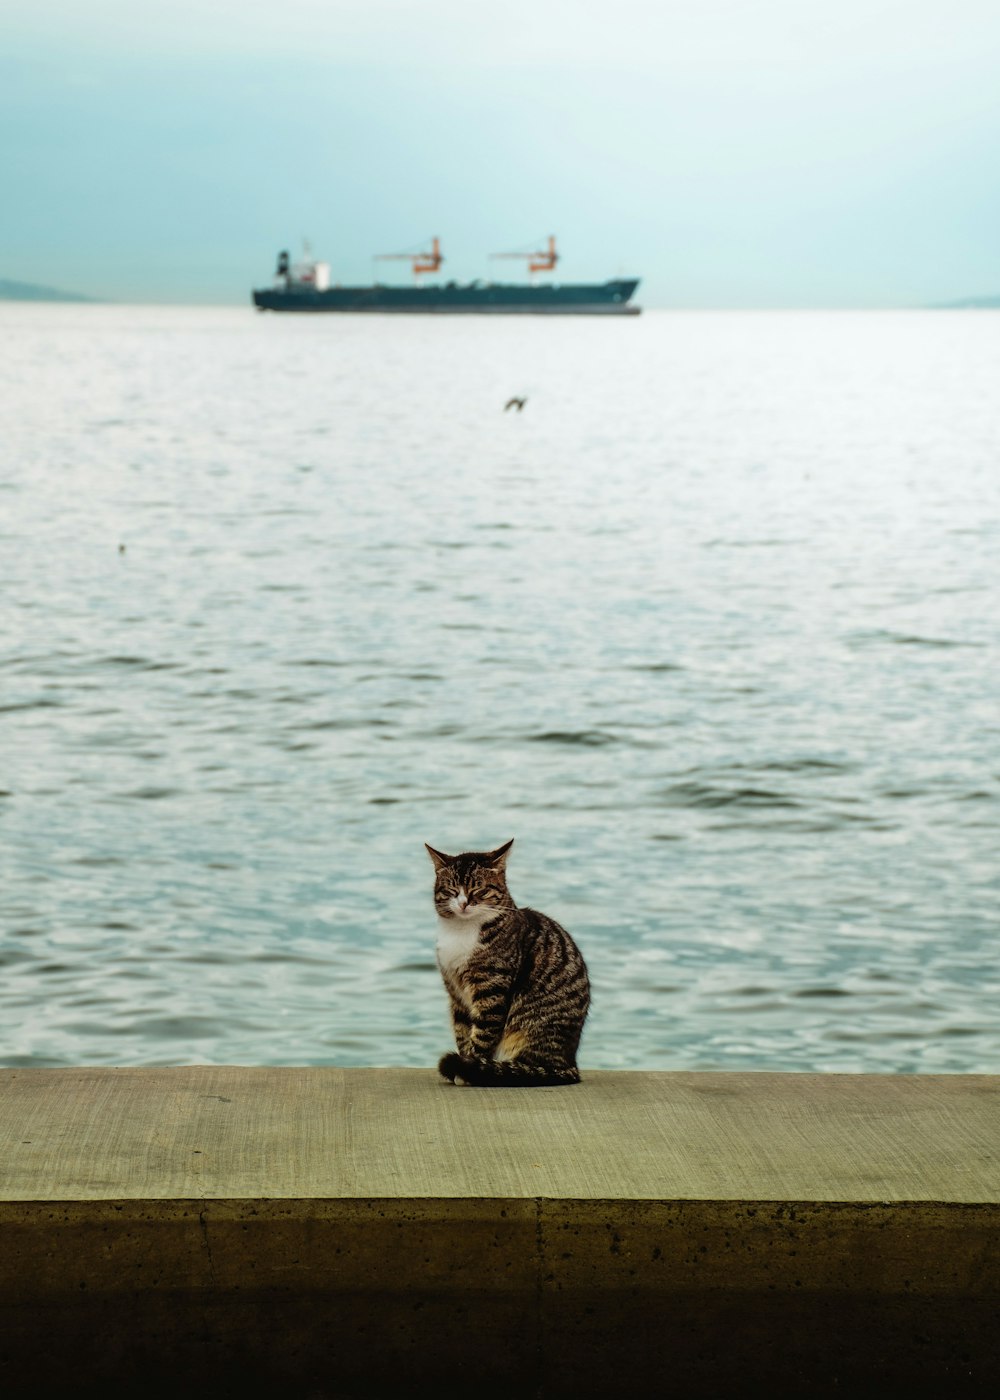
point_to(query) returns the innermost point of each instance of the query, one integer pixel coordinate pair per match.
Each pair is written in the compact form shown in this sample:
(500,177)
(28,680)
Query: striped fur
(516,981)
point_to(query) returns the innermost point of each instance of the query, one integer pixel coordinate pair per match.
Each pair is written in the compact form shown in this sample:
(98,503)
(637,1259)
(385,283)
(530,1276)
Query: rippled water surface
(711,628)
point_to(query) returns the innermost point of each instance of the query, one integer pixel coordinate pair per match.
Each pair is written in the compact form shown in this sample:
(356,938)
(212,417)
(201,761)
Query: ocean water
(711,628)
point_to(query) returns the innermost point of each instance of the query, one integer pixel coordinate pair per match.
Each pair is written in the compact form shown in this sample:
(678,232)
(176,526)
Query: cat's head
(471,887)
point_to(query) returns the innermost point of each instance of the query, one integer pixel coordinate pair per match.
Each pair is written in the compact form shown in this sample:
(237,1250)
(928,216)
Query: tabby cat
(517,982)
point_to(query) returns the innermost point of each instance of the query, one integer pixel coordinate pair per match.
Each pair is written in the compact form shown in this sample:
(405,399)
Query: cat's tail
(504,1074)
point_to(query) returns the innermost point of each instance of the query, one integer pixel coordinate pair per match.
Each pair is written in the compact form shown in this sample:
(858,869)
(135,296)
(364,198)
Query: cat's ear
(438,857)
(498,858)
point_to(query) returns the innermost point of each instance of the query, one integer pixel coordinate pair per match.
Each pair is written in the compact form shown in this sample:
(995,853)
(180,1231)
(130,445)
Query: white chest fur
(455,942)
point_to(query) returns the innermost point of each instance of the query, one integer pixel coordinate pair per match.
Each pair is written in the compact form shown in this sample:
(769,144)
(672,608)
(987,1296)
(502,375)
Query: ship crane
(544,261)
(420,262)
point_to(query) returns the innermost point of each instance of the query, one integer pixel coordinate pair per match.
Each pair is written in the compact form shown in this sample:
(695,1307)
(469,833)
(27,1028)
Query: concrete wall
(340,1233)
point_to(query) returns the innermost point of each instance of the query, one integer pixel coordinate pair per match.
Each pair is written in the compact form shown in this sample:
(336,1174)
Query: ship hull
(496,299)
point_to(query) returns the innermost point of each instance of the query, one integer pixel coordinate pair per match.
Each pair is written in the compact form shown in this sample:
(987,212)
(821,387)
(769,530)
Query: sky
(731,153)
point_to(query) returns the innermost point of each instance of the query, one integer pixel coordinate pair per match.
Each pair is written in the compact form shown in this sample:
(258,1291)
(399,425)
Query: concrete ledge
(349,1232)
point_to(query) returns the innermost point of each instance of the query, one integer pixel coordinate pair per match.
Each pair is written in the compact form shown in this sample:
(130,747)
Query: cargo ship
(305,287)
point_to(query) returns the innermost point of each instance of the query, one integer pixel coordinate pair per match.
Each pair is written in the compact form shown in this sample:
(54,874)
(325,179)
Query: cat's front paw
(450,1067)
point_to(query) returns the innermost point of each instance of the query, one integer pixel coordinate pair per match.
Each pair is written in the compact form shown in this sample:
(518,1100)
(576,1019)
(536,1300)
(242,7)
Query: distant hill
(970,304)
(32,291)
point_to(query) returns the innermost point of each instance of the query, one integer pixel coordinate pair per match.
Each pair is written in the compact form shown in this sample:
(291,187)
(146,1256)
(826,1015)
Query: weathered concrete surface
(350,1232)
(241,1133)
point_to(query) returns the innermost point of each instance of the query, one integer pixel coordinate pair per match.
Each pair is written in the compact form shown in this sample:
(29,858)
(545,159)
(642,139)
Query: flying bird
(514,403)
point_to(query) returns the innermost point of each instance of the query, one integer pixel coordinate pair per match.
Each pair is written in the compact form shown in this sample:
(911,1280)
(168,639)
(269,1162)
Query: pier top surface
(240,1133)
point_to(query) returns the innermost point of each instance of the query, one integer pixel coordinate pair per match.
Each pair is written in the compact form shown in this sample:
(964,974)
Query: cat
(517,982)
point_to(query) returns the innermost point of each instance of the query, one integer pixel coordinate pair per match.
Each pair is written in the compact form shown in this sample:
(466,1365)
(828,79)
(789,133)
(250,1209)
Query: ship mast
(544,261)
(420,262)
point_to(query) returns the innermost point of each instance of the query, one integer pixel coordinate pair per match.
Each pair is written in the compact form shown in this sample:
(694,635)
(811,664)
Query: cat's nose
(462,902)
